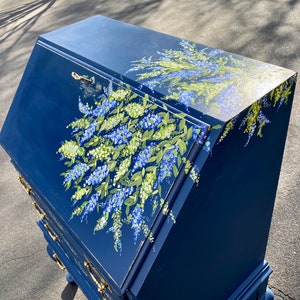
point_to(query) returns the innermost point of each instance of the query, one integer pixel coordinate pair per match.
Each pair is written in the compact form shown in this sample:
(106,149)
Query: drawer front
(66,261)
(63,249)
(78,262)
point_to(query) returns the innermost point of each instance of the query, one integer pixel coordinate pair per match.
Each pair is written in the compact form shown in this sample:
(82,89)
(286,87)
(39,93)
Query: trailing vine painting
(125,150)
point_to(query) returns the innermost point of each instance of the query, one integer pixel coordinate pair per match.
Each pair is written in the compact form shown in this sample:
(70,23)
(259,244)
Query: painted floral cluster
(193,76)
(124,152)
(207,76)
(256,116)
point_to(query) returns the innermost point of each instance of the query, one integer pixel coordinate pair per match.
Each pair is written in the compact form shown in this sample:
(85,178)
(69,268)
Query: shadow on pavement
(22,18)
(69,292)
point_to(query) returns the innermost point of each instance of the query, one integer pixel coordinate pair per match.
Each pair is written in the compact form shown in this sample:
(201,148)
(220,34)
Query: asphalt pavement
(266,30)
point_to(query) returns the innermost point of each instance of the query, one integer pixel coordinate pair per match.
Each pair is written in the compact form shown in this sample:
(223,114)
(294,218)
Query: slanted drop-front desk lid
(111,122)
(107,160)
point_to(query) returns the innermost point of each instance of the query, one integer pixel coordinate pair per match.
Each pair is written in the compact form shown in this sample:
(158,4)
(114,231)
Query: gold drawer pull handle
(39,210)
(102,285)
(83,78)
(58,261)
(25,185)
(53,236)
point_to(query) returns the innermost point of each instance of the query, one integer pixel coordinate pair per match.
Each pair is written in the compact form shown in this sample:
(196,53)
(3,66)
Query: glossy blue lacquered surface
(154,159)
(42,138)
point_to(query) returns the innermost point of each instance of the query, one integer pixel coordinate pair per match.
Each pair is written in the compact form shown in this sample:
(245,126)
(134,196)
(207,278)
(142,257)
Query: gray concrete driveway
(266,30)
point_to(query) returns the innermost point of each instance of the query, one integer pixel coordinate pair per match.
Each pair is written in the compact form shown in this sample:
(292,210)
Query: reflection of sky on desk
(208,80)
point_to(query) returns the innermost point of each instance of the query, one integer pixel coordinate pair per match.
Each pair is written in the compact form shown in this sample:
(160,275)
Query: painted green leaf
(163,143)
(175,170)
(189,133)
(175,139)
(81,151)
(125,120)
(107,178)
(145,100)
(168,146)
(133,123)
(116,155)
(182,146)
(153,107)
(78,210)
(217,127)
(138,181)
(127,209)
(151,169)
(69,163)
(129,201)
(68,184)
(182,124)
(147,135)
(136,175)
(179,160)
(152,159)
(159,156)
(112,165)
(159,190)
(166,118)
(126,182)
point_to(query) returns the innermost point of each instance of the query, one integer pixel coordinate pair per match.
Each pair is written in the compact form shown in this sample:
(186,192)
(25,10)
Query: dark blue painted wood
(216,248)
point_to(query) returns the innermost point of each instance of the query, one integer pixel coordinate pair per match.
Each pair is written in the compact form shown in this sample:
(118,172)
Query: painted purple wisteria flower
(168,160)
(120,136)
(103,108)
(136,222)
(207,144)
(89,207)
(215,52)
(187,48)
(220,78)
(150,121)
(89,132)
(262,118)
(199,134)
(76,172)
(97,176)
(186,98)
(84,108)
(228,100)
(142,159)
(205,65)
(116,200)
(151,84)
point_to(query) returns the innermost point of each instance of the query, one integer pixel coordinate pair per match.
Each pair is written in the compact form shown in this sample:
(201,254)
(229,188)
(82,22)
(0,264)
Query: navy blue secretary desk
(152,161)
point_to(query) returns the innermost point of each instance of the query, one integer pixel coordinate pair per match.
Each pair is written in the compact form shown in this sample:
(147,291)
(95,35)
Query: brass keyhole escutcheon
(82,78)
